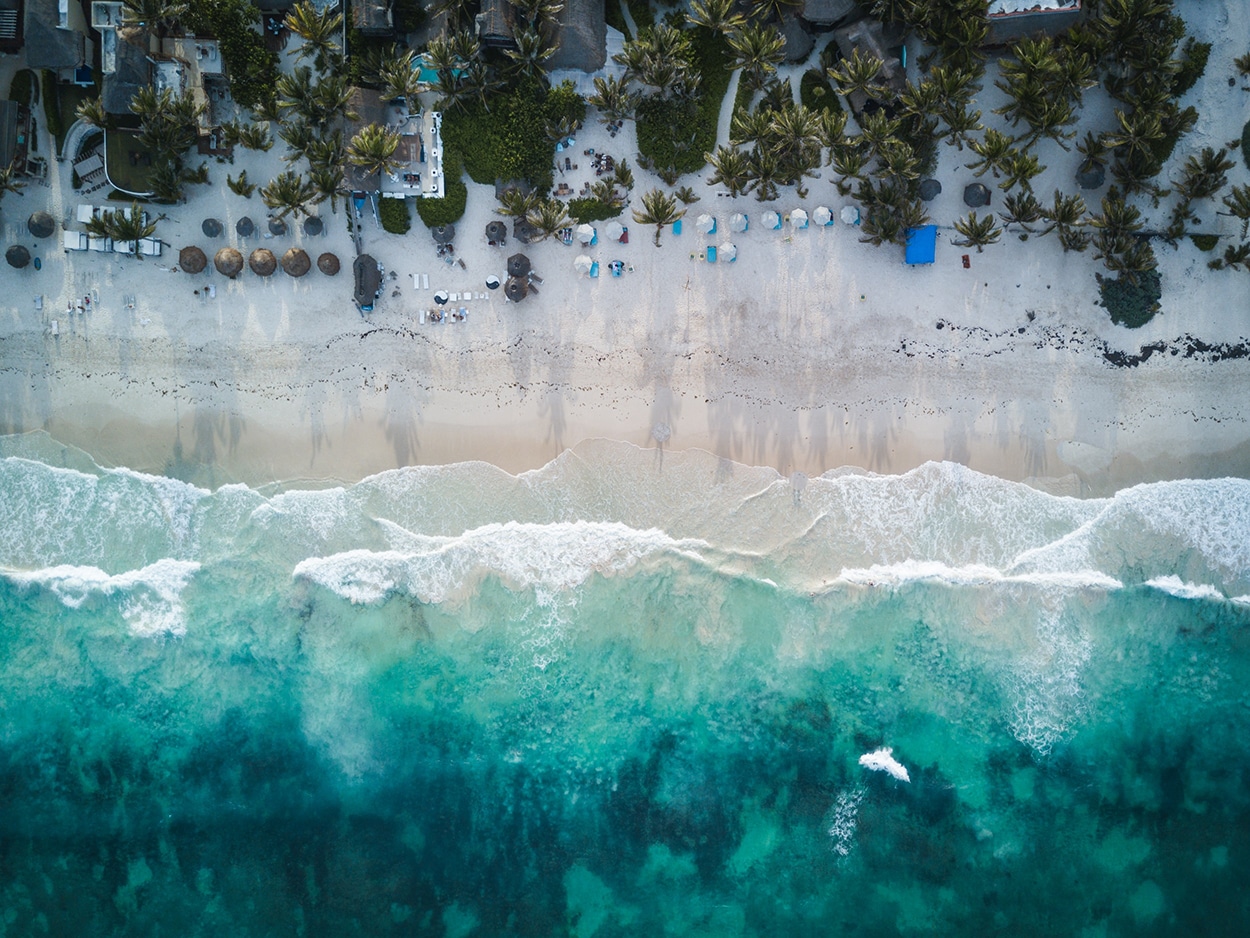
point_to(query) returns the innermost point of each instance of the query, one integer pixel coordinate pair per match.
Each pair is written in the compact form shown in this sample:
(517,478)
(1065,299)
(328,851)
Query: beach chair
(625,236)
(677,227)
(711,254)
(594,269)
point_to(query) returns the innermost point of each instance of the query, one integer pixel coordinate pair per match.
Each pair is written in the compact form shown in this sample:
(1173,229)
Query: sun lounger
(594,269)
(421,318)
(425,281)
(677,227)
(711,254)
(39,301)
(55,327)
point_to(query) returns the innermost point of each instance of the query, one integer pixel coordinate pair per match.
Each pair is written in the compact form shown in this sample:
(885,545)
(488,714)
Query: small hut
(229,262)
(497,233)
(976,195)
(17,256)
(328,264)
(192,260)
(211,228)
(518,265)
(313,226)
(296,262)
(262,262)
(244,227)
(516,289)
(368,276)
(41,225)
(444,234)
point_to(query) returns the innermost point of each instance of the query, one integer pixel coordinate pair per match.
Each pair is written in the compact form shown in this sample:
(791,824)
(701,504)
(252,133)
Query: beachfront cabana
(738,222)
(729,252)
(211,228)
(443,234)
(614,230)
(822,216)
(328,264)
(585,233)
(582,264)
(706,224)
(798,218)
(497,232)
(516,289)
(262,262)
(368,277)
(921,245)
(244,227)
(296,263)
(976,195)
(518,265)
(771,220)
(313,226)
(192,260)
(229,262)
(930,189)
(17,256)
(41,225)
(277,226)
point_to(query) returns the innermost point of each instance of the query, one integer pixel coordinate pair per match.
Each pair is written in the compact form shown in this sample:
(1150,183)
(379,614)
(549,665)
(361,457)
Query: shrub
(75,180)
(51,104)
(1131,301)
(588,210)
(450,208)
(1245,144)
(816,93)
(394,215)
(22,85)
(252,69)
(1193,63)
(1205,242)
(640,10)
(563,102)
(410,15)
(1163,147)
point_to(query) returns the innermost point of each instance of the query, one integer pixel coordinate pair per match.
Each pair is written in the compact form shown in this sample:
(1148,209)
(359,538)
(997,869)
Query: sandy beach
(810,352)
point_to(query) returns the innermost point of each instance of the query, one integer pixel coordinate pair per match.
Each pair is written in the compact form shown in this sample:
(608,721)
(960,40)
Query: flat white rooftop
(1001,7)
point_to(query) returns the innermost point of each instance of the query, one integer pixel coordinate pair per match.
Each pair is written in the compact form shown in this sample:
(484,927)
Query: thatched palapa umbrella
(1092,178)
(518,265)
(192,260)
(328,264)
(516,289)
(523,231)
(444,234)
(497,231)
(228,261)
(930,189)
(976,195)
(17,256)
(313,225)
(41,225)
(211,228)
(277,226)
(296,263)
(244,227)
(262,262)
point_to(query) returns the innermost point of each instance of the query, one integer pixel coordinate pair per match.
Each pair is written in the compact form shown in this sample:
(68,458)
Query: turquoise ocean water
(623,695)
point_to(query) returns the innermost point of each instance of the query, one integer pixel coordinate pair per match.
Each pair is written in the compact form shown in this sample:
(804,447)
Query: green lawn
(68,98)
(119,145)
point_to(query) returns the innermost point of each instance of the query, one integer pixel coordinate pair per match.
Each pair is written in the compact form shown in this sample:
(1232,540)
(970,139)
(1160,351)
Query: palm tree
(288,193)
(765,10)
(531,53)
(613,99)
(328,181)
(623,176)
(832,129)
(659,209)
(720,16)
(241,186)
(165,182)
(548,217)
(878,131)
(858,74)
(1238,203)
(1021,208)
(686,196)
(256,137)
(1234,256)
(960,122)
(129,227)
(515,203)
(757,50)
(1094,151)
(794,136)
(977,232)
(849,163)
(91,111)
(539,12)
(400,80)
(1137,258)
(1205,174)
(1137,134)
(995,152)
(765,174)
(319,30)
(749,127)
(731,168)
(477,80)
(373,150)
(1117,218)
(1021,170)
(298,136)
(153,16)
(9,182)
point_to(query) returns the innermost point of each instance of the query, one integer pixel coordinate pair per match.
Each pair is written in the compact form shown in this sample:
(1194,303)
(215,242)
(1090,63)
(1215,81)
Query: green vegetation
(1245,144)
(1194,57)
(592,210)
(1132,300)
(410,15)
(395,215)
(450,208)
(640,10)
(614,17)
(816,92)
(51,104)
(68,98)
(1205,242)
(119,146)
(252,68)
(21,86)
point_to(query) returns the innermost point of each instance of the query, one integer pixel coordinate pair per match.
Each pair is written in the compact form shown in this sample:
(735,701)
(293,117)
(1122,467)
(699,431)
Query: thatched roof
(367,105)
(976,195)
(228,261)
(799,42)
(495,24)
(827,12)
(41,225)
(47,45)
(372,17)
(295,262)
(368,280)
(17,256)
(313,225)
(516,289)
(245,227)
(518,265)
(328,264)
(131,72)
(211,228)
(497,231)
(262,262)
(443,234)
(581,36)
(192,259)
(523,231)
(930,189)
(277,226)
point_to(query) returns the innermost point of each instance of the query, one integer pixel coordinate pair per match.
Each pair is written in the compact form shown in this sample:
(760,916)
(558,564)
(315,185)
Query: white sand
(810,352)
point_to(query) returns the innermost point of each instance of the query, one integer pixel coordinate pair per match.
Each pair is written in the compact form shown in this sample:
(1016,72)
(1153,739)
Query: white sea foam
(842,820)
(550,557)
(1175,586)
(151,598)
(931,571)
(882,760)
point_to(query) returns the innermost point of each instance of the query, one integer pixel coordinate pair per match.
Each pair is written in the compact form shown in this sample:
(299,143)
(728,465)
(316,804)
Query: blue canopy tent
(921,244)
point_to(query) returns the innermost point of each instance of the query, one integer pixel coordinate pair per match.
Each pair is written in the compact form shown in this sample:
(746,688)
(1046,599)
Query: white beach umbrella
(822,215)
(728,252)
(615,230)
(771,220)
(585,233)
(798,218)
(582,263)
(738,222)
(850,215)
(705,223)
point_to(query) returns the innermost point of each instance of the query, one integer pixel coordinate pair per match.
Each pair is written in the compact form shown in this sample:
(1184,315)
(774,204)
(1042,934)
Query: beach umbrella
(441,297)
(585,233)
(976,195)
(277,226)
(930,189)
(192,260)
(518,265)
(244,227)
(614,230)
(211,228)
(492,282)
(17,256)
(705,223)
(822,216)
(738,222)
(313,225)
(444,234)
(497,231)
(296,263)
(771,220)
(728,252)
(582,263)
(41,225)
(328,264)
(798,218)
(262,262)
(849,215)
(228,261)
(516,289)
(523,231)
(1092,178)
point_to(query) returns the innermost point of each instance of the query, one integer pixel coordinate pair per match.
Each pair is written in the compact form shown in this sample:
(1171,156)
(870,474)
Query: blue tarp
(921,244)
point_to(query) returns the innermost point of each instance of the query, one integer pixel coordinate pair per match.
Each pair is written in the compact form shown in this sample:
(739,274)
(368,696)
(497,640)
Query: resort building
(420,151)
(10,26)
(373,17)
(580,36)
(495,23)
(14,134)
(55,39)
(1013,19)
